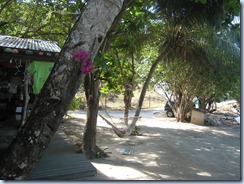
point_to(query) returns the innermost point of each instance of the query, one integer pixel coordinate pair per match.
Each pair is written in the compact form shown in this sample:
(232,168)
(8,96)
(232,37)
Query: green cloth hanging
(40,71)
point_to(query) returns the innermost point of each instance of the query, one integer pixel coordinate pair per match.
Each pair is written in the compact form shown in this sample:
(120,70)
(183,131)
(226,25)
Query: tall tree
(57,93)
(129,45)
(182,17)
(126,49)
(201,75)
(49,20)
(92,91)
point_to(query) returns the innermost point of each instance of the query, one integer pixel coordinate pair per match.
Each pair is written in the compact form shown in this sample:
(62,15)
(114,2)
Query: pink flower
(86,66)
(90,70)
(90,63)
(82,55)
(84,63)
(86,70)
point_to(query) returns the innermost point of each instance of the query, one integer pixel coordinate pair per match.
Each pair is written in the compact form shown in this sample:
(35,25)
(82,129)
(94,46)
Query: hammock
(118,131)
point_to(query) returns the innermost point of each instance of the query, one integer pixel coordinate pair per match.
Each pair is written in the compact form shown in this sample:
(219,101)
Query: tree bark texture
(129,86)
(90,133)
(181,111)
(127,102)
(92,95)
(110,35)
(57,93)
(162,56)
(184,106)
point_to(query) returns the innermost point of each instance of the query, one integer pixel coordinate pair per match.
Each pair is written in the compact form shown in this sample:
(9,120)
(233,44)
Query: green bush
(76,103)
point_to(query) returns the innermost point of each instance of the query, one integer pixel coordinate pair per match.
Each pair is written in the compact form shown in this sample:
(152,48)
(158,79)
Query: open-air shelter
(25,64)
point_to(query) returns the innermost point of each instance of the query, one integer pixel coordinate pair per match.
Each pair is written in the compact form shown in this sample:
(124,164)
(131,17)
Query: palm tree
(182,20)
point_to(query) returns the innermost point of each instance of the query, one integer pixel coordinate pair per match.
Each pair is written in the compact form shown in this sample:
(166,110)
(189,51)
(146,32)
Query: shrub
(76,103)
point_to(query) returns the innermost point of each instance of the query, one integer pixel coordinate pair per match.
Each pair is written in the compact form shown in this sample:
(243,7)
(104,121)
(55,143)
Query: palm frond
(190,12)
(218,49)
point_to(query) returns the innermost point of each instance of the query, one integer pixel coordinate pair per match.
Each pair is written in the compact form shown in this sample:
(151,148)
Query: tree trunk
(57,93)
(110,35)
(92,96)
(180,115)
(127,102)
(162,56)
(90,133)
(184,106)
(129,87)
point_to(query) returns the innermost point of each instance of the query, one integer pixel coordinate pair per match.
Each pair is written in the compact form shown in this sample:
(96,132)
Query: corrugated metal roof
(28,44)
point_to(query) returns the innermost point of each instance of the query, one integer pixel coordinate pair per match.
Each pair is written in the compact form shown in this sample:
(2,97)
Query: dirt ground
(166,150)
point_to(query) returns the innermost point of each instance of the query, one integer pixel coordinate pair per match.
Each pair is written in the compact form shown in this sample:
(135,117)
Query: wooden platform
(61,162)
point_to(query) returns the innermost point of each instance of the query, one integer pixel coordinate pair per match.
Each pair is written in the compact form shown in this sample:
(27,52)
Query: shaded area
(60,162)
(7,134)
(167,151)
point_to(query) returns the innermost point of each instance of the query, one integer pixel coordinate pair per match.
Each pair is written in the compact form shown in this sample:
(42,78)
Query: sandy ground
(167,150)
